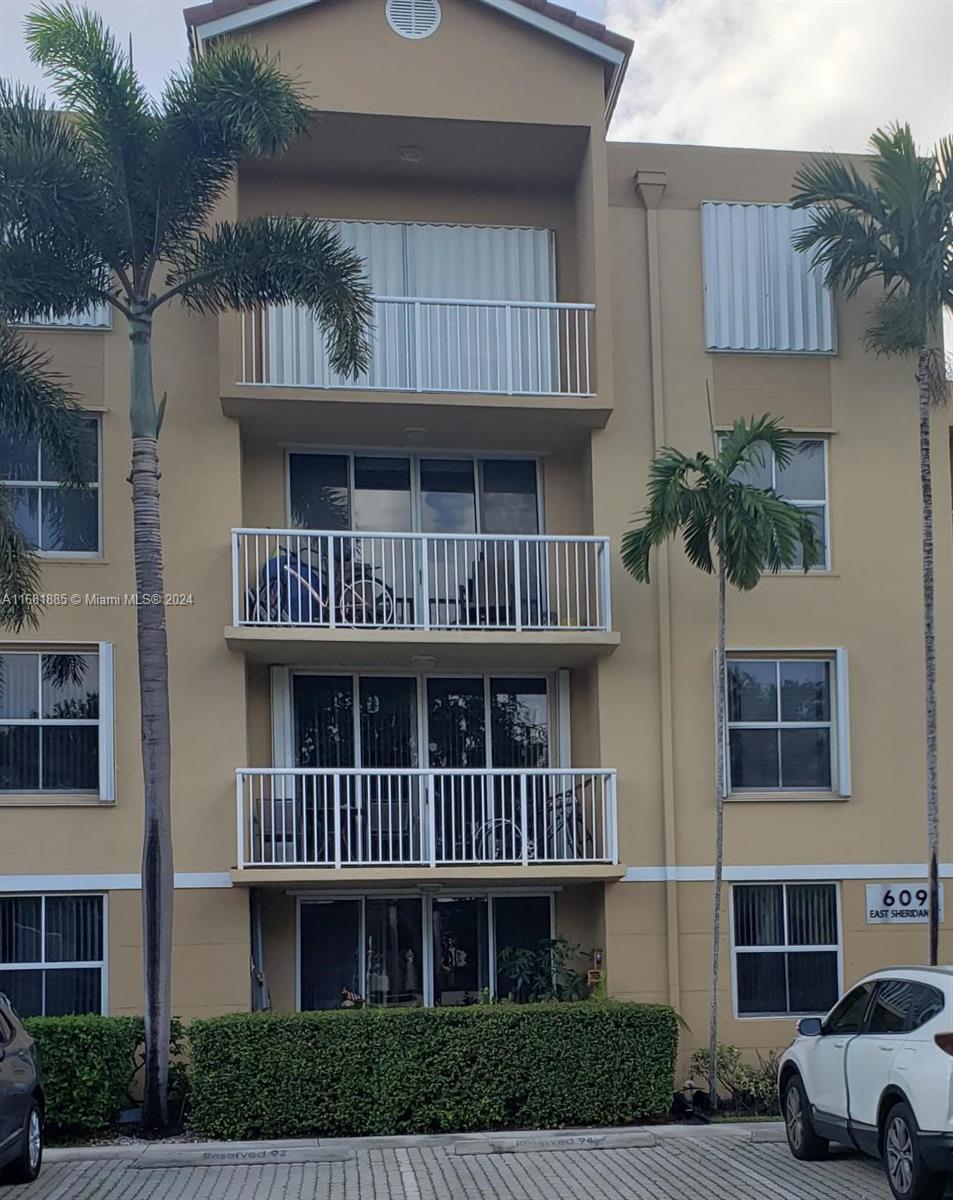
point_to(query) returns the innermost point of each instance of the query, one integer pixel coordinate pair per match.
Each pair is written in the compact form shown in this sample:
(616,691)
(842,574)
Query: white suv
(877,1073)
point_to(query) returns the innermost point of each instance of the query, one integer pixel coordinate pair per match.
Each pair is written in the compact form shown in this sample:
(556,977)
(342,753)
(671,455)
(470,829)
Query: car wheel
(908,1175)
(26,1166)
(804,1143)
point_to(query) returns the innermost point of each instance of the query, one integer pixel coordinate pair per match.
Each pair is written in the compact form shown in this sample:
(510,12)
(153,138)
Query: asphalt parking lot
(670,1164)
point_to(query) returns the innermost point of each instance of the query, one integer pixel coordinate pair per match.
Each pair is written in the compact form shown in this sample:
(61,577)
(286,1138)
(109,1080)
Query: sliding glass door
(360,721)
(469,580)
(404,950)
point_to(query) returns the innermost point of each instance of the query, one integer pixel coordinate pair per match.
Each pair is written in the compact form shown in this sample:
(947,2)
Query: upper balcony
(427,344)
(376,599)
(469,321)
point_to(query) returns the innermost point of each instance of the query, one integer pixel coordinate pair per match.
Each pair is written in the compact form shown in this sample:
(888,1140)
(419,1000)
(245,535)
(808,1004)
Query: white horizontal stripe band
(107,883)
(782,873)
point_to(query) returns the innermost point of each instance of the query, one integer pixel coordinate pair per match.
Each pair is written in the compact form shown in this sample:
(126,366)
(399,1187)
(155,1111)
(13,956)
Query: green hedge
(87,1066)
(367,1072)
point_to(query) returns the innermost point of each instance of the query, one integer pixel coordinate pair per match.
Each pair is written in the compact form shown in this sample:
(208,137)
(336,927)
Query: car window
(925,1003)
(890,1010)
(848,1015)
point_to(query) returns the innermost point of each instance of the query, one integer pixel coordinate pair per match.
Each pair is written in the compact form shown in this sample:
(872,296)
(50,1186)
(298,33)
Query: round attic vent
(413,18)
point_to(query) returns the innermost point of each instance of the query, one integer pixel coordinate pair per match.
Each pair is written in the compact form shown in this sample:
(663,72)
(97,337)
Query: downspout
(649,186)
(260,993)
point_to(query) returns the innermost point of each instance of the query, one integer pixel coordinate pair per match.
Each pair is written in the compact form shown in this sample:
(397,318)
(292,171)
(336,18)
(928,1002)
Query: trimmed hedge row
(366,1072)
(88,1065)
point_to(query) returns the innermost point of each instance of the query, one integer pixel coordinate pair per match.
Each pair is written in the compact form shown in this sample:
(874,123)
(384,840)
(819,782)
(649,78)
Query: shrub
(751,1087)
(87,1067)
(373,1071)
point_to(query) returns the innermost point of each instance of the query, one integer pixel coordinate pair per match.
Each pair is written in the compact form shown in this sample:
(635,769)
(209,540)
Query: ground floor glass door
(407,950)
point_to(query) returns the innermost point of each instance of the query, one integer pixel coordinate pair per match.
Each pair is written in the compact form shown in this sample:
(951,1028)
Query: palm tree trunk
(924,369)
(157,877)
(721,688)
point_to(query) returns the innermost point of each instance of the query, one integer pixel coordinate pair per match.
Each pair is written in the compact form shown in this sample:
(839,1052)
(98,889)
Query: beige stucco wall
(478,65)
(210,957)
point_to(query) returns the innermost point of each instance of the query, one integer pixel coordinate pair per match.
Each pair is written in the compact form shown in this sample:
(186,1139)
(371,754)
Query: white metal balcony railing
(95,316)
(500,347)
(404,817)
(302,578)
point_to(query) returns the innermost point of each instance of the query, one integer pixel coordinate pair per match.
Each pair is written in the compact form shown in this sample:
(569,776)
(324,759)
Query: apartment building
(419,712)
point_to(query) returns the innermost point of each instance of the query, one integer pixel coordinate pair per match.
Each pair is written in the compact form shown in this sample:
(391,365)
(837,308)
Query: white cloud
(804,74)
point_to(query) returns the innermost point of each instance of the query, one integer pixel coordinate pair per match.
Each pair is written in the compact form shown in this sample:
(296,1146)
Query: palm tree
(896,227)
(738,531)
(116,205)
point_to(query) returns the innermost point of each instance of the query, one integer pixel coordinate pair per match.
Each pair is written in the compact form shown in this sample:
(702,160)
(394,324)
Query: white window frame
(414,458)
(426,909)
(105,792)
(784,949)
(839,722)
(41,485)
(80,964)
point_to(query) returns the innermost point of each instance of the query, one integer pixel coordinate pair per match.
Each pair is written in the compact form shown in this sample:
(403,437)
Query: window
(803,483)
(786,948)
(406,951)
(53,518)
(762,295)
(49,722)
(384,494)
(925,1003)
(780,724)
(52,954)
(902,1005)
(848,1016)
(890,1010)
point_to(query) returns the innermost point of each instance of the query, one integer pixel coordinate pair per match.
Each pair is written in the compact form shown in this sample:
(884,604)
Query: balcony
(481,347)
(446,368)
(373,599)
(451,823)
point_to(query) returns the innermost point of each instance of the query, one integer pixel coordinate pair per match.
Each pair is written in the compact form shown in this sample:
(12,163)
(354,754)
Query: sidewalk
(341,1149)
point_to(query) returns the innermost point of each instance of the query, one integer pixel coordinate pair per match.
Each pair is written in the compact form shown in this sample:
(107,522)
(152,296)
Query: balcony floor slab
(384,648)
(450,878)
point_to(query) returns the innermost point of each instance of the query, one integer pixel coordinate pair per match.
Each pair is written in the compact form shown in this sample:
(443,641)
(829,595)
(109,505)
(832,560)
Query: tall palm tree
(738,531)
(896,227)
(116,203)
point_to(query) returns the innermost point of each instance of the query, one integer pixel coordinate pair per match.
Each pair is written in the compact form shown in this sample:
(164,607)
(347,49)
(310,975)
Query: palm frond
(280,260)
(846,246)
(45,181)
(720,516)
(231,104)
(751,442)
(673,479)
(897,226)
(20,576)
(825,179)
(111,111)
(34,402)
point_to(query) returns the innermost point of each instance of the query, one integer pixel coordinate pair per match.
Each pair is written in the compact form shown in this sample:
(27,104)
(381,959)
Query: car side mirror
(810,1027)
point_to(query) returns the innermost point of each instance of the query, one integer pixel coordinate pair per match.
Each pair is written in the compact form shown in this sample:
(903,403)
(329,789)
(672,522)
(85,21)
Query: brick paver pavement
(716,1167)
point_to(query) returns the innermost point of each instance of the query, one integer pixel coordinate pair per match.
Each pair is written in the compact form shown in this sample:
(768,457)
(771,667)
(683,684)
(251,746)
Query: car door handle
(882,1047)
